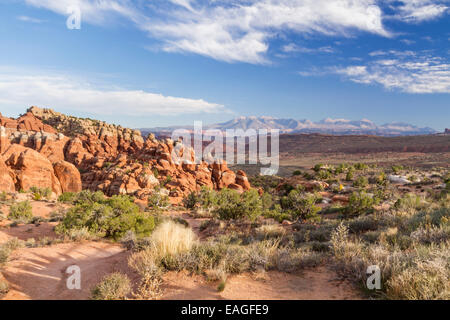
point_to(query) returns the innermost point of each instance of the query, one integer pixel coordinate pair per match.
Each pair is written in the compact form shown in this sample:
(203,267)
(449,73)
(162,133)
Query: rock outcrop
(6,180)
(44,148)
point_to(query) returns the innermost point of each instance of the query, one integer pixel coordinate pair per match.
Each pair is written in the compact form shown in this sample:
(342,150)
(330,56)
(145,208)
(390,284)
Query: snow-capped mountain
(326,126)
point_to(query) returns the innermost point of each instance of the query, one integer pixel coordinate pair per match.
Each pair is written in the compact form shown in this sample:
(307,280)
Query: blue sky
(156,63)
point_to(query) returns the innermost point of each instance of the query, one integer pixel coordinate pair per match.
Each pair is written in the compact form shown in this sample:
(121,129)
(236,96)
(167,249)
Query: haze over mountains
(326,126)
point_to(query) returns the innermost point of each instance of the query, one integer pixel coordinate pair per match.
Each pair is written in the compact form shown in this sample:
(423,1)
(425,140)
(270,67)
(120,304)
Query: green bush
(301,205)
(359,203)
(190,201)
(397,169)
(232,205)
(158,201)
(40,193)
(297,173)
(361,182)
(349,176)
(112,217)
(3,196)
(360,166)
(21,212)
(67,197)
(115,286)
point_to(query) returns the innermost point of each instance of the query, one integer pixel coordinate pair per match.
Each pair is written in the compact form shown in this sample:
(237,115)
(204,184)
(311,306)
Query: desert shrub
(409,203)
(67,197)
(4,287)
(323,174)
(277,214)
(349,176)
(40,193)
(83,197)
(190,201)
(232,205)
(360,166)
(151,275)
(431,234)
(8,247)
(3,196)
(89,196)
(206,199)
(359,203)
(427,280)
(115,286)
(363,224)
(268,231)
(21,212)
(397,169)
(361,182)
(417,273)
(158,200)
(297,173)
(111,218)
(381,179)
(79,234)
(301,205)
(318,167)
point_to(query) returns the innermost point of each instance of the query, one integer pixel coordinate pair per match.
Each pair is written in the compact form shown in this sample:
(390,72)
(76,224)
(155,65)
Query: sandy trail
(40,273)
(317,284)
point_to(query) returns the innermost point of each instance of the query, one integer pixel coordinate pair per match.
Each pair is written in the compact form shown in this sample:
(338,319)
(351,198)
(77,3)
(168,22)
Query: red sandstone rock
(6,181)
(31,169)
(68,175)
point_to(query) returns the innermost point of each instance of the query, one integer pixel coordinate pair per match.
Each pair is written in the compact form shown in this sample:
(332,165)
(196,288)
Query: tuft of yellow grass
(171,238)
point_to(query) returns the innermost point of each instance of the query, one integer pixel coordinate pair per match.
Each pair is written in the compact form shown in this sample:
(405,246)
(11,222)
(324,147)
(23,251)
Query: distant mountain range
(326,126)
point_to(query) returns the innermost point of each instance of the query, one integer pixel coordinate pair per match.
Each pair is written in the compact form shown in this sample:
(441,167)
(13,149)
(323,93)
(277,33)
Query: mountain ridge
(325,126)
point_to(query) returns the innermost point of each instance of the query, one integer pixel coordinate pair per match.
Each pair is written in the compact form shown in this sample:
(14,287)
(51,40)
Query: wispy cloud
(232,31)
(65,93)
(419,74)
(30,19)
(293,48)
(421,10)
(242,30)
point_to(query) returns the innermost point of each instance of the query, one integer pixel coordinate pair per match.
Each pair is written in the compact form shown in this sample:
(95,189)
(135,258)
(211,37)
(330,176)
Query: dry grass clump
(115,286)
(168,240)
(421,272)
(267,231)
(171,238)
(145,264)
(8,247)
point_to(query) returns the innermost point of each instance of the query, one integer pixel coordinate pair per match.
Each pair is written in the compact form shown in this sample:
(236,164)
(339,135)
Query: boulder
(68,175)
(6,181)
(31,169)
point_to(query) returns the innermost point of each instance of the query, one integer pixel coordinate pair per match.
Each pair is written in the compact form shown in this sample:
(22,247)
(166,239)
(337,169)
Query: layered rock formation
(44,148)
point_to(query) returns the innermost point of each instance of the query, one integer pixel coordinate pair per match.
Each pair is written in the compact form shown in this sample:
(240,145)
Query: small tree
(21,212)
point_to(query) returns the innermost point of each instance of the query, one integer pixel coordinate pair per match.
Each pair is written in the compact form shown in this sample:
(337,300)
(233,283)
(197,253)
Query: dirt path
(317,284)
(40,273)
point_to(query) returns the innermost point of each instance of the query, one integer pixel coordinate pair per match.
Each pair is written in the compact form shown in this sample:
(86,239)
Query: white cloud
(293,48)
(29,19)
(421,10)
(241,30)
(413,75)
(98,12)
(232,31)
(63,93)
